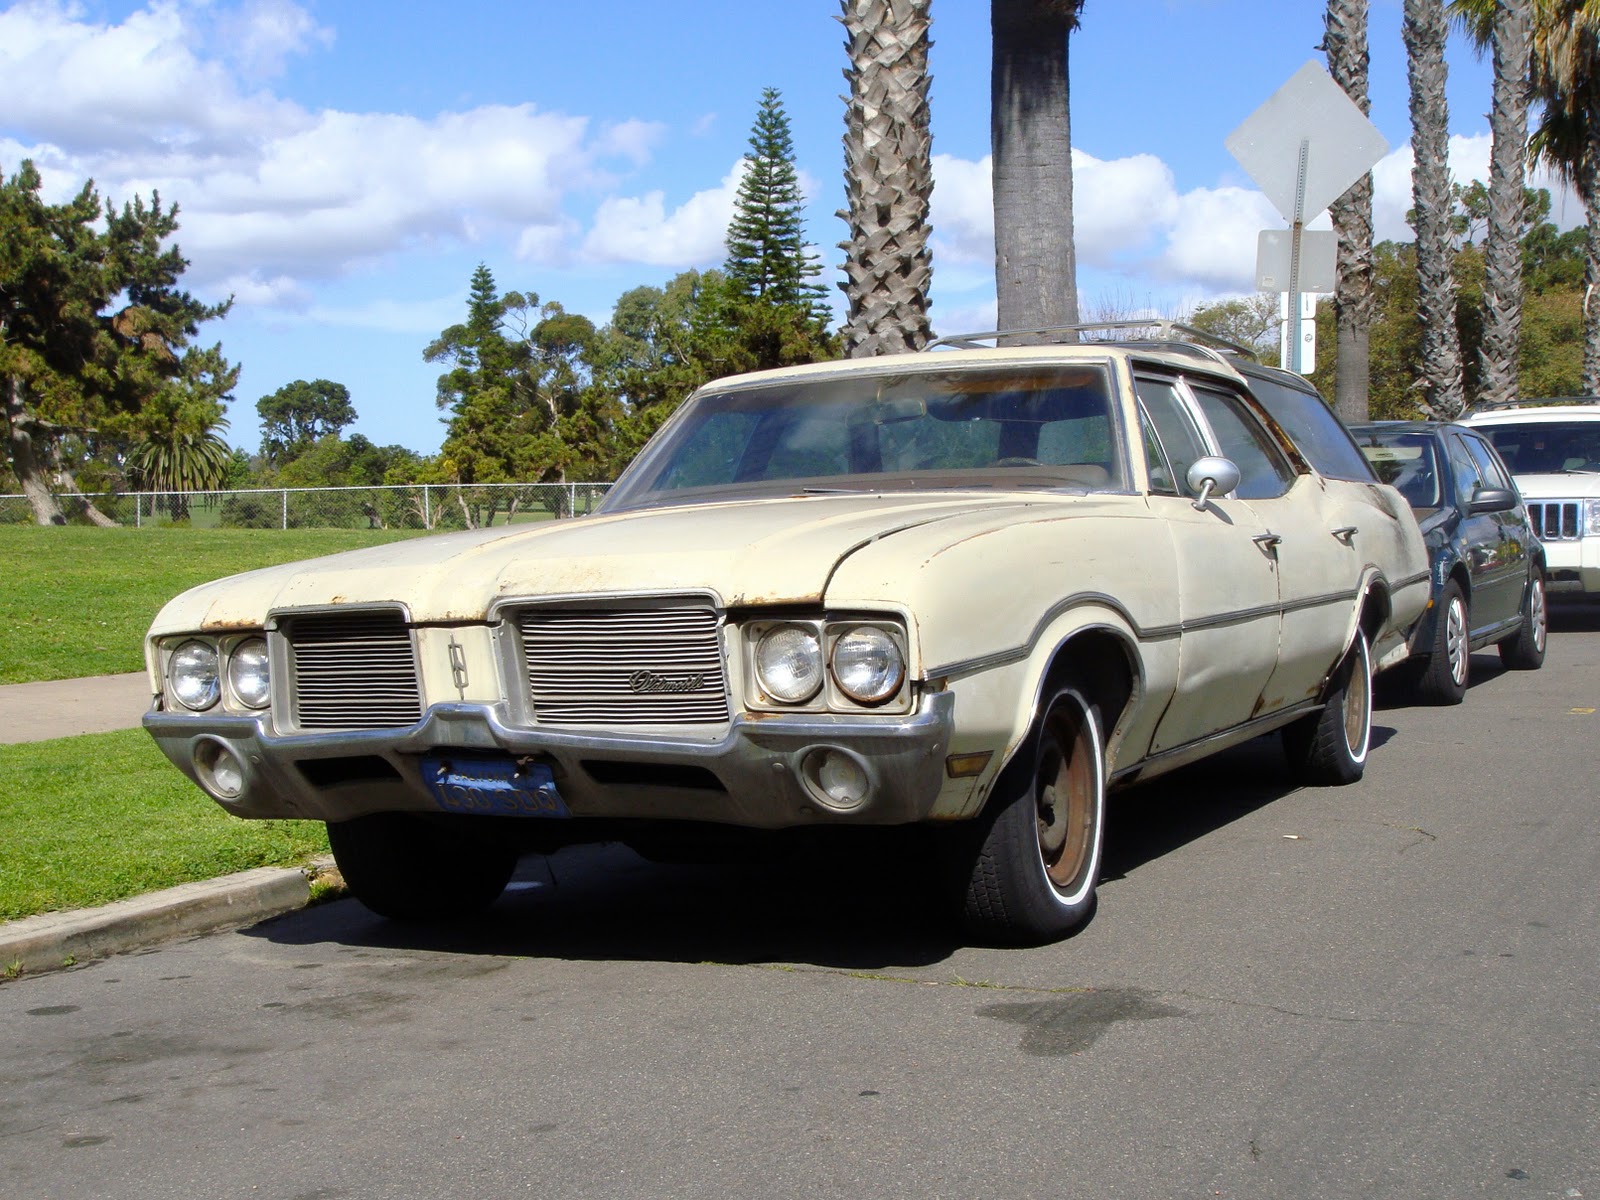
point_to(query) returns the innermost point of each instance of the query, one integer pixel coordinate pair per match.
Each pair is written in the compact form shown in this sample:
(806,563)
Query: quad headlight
(193,675)
(247,673)
(789,663)
(867,664)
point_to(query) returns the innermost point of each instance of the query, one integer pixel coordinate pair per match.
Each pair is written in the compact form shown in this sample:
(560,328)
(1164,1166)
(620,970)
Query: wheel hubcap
(1357,706)
(1066,810)
(1537,613)
(1455,633)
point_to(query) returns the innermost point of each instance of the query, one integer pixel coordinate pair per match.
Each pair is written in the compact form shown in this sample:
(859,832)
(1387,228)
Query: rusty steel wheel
(1034,874)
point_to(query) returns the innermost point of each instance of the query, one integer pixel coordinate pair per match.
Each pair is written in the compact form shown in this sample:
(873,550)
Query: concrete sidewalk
(37,712)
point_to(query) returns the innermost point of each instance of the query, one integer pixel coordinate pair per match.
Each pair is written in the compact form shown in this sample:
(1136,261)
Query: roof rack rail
(1532,402)
(1165,330)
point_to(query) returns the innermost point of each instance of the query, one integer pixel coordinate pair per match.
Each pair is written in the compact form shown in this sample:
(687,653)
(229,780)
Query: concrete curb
(51,941)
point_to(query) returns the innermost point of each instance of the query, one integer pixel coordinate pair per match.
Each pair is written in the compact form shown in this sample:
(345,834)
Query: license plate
(493,787)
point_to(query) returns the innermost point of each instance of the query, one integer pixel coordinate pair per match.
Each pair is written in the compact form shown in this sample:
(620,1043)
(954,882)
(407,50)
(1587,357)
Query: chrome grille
(1556,520)
(624,666)
(352,671)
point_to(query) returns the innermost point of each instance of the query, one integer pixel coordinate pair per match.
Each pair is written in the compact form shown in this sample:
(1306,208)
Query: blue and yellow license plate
(493,786)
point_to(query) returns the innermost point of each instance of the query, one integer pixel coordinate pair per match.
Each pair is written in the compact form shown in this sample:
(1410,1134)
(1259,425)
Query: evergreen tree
(768,256)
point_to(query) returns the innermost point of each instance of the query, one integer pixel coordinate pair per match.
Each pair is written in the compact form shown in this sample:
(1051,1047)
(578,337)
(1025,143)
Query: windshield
(1018,426)
(1546,447)
(1408,461)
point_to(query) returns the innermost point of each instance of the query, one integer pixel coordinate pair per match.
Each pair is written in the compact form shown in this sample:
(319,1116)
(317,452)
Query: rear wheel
(1330,747)
(1525,651)
(1444,675)
(410,869)
(1037,861)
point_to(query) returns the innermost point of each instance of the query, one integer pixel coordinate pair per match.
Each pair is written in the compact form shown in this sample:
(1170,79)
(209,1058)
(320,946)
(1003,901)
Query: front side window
(1176,437)
(1321,436)
(1489,468)
(1263,470)
(1027,425)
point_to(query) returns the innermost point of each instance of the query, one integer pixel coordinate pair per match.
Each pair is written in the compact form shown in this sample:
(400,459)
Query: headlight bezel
(832,695)
(223,692)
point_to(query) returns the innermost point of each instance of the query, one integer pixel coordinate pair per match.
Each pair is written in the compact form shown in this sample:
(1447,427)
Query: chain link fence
(420,506)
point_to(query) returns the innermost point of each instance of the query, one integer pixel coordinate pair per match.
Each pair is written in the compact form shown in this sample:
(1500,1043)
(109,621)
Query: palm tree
(1345,43)
(1424,29)
(888,176)
(1506,26)
(1566,81)
(1030,133)
(180,460)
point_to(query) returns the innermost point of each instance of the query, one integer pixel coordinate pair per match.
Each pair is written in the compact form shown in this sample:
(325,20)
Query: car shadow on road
(867,906)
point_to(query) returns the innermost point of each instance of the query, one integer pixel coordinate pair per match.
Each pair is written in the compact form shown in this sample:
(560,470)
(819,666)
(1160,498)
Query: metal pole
(1296,352)
(285,508)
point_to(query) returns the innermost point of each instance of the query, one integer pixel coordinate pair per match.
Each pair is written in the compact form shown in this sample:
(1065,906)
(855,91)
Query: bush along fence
(412,506)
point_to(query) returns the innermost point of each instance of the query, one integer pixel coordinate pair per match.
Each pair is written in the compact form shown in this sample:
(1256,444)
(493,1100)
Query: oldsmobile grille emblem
(648,682)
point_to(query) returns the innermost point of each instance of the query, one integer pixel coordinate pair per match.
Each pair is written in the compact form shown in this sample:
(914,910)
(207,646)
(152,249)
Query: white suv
(1553,449)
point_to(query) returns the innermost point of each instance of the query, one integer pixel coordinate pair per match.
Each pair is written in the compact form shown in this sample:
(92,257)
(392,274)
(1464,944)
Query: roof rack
(1545,402)
(1165,331)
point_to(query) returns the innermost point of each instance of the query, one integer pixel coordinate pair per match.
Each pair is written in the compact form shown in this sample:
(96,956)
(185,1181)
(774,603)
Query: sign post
(1305,147)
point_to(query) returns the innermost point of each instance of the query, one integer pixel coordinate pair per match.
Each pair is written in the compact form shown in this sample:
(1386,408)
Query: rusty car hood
(747,553)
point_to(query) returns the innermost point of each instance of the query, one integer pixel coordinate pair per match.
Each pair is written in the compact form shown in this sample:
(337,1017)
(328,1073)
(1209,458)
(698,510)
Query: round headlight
(789,663)
(193,675)
(247,673)
(867,665)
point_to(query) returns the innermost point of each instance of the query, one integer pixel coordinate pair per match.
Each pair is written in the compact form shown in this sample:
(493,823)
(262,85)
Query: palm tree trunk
(888,155)
(1502,247)
(1589,190)
(1425,31)
(1030,134)
(1354,303)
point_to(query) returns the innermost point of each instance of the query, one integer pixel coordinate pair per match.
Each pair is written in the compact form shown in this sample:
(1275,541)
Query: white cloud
(640,229)
(260,36)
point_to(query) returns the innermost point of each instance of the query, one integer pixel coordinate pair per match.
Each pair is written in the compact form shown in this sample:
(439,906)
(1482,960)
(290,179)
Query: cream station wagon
(963,592)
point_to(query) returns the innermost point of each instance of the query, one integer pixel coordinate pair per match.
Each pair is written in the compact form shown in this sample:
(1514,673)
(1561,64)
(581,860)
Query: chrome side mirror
(1211,474)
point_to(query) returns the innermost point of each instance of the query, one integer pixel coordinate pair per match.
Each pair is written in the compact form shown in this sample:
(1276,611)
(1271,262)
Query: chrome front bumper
(761,774)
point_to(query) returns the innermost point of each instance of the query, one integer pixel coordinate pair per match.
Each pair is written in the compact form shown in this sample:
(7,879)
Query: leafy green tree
(299,414)
(95,337)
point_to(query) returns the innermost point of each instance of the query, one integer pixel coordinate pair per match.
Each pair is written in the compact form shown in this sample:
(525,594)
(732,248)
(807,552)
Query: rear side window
(1308,420)
(1263,471)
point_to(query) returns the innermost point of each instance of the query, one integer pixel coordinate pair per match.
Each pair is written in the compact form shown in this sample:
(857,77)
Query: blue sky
(342,167)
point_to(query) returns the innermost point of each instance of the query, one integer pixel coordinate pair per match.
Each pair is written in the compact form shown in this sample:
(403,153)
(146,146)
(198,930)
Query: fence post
(427,511)
(285,524)
(138,511)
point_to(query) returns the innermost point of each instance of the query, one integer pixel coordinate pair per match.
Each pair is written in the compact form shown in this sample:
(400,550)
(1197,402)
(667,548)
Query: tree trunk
(888,154)
(25,453)
(1589,189)
(1030,134)
(1425,30)
(1502,247)
(1354,304)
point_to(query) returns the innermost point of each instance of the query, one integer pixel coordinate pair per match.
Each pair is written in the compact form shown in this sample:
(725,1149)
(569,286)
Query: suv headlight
(1591,518)
(868,665)
(789,663)
(192,674)
(247,673)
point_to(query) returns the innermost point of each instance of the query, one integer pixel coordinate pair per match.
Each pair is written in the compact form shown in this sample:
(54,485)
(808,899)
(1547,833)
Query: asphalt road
(1386,990)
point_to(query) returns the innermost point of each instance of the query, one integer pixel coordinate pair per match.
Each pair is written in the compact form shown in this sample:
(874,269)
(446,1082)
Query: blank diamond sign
(1311,109)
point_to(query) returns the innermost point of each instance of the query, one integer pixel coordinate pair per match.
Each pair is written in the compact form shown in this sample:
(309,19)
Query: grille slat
(649,666)
(353,671)
(1556,520)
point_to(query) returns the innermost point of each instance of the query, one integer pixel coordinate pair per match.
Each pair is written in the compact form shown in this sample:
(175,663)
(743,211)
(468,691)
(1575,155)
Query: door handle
(1268,541)
(1346,533)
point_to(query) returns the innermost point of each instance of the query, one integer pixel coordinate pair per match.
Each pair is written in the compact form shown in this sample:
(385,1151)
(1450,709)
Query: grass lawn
(101,817)
(75,600)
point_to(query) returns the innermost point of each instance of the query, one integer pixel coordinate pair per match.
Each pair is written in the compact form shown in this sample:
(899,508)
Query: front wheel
(1525,651)
(409,869)
(1444,674)
(1038,858)
(1330,747)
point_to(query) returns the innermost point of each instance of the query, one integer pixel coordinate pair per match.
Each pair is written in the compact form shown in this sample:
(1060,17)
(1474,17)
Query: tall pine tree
(769,311)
